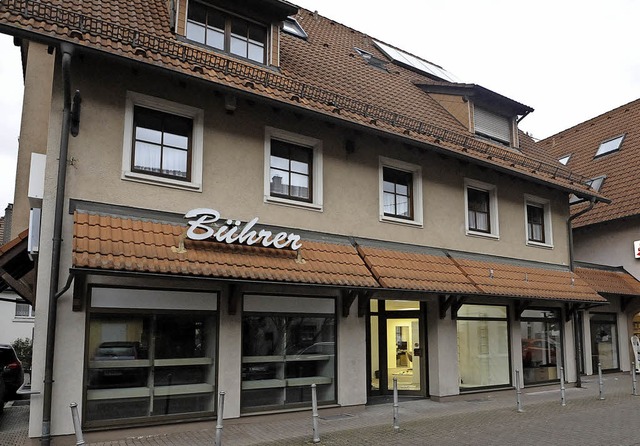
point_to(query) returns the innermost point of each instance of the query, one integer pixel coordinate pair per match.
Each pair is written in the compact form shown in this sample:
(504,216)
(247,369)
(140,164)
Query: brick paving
(475,419)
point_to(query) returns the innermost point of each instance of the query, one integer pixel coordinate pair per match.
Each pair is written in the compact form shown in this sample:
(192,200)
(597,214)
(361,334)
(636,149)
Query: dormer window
(226,32)
(492,126)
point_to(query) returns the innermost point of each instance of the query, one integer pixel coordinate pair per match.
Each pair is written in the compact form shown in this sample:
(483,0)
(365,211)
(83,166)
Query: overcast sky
(570,60)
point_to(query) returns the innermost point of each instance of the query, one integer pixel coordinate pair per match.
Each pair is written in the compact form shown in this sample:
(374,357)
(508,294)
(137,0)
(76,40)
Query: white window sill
(400,221)
(21,319)
(539,245)
(293,203)
(159,181)
(482,235)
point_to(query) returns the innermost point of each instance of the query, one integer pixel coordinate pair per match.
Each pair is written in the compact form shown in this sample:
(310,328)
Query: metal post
(562,395)
(314,405)
(634,381)
(76,424)
(600,382)
(219,419)
(396,426)
(518,392)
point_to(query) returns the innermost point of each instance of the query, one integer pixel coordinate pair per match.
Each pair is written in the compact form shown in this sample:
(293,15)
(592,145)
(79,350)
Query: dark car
(116,376)
(12,372)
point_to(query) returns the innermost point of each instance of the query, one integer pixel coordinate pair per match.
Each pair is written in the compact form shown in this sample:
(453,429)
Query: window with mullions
(397,193)
(535,223)
(225,32)
(290,170)
(478,210)
(161,144)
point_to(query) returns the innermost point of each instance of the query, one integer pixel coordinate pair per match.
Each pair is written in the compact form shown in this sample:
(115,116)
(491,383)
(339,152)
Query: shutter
(492,125)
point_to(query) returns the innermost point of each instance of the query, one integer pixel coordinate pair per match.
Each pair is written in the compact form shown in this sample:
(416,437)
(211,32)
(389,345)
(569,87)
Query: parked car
(119,376)
(12,372)
(2,393)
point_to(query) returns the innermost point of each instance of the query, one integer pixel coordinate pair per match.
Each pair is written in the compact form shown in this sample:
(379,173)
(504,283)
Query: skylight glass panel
(609,146)
(413,62)
(564,160)
(292,26)
(596,183)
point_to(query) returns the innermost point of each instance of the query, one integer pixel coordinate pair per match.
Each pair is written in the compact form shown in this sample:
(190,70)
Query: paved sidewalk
(474,419)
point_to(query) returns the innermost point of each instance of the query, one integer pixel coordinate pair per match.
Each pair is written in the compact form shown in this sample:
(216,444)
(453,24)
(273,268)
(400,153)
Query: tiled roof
(440,271)
(608,280)
(124,244)
(323,74)
(12,243)
(621,167)
(110,242)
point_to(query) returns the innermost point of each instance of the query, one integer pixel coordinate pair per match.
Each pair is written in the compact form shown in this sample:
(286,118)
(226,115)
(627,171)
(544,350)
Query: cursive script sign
(232,231)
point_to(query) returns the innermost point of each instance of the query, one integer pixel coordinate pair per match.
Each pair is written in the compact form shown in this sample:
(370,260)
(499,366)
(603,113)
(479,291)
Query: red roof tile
(620,168)
(323,74)
(118,243)
(609,281)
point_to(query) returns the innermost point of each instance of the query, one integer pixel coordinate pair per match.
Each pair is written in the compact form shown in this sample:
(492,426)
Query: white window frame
(416,175)
(197,141)
(315,145)
(548,230)
(29,316)
(492,189)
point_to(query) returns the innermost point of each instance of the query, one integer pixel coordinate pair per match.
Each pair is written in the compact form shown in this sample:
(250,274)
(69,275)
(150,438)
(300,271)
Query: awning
(17,269)
(408,267)
(136,245)
(608,280)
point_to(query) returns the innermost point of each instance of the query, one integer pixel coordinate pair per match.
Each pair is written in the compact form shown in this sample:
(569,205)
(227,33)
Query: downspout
(576,333)
(67,51)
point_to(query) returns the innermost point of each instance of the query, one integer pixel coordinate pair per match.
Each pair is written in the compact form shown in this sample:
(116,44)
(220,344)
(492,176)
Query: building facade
(254,198)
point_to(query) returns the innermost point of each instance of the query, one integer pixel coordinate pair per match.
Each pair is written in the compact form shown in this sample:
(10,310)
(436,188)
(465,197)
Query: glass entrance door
(395,340)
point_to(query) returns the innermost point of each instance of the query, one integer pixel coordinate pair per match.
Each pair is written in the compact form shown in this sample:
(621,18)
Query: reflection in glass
(541,345)
(604,341)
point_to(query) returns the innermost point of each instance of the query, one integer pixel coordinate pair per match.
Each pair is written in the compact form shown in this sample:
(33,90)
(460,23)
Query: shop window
(541,345)
(148,364)
(284,353)
(293,169)
(604,341)
(226,32)
(483,346)
(400,192)
(481,202)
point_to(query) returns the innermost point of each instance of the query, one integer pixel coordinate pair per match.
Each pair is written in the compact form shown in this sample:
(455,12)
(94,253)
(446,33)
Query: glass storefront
(483,346)
(146,363)
(604,341)
(288,343)
(541,345)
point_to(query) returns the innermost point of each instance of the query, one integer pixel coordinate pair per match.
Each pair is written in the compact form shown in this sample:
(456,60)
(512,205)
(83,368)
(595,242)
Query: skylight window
(596,185)
(292,27)
(609,146)
(565,159)
(371,59)
(414,63)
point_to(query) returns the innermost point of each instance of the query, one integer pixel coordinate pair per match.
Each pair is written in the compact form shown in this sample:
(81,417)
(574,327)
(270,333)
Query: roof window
(594,183)
(564,160)
(414,63)
(291,26)
(610,145)
(492,126)
(371,59)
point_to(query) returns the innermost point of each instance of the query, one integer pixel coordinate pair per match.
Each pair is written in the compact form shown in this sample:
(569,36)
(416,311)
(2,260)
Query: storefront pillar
(443,354)
(352,359)
(230,358)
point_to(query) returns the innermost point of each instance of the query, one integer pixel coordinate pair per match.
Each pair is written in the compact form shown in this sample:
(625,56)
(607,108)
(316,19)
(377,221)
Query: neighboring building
(407,228)
(5,225)
(16,318)
(607,150)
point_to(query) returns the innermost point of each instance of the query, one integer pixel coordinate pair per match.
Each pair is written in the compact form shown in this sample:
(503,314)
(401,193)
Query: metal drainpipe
(67,51)
(576,333)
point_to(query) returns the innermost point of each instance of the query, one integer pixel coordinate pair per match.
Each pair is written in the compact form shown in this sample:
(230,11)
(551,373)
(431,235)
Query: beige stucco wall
(36,109)
(234,143)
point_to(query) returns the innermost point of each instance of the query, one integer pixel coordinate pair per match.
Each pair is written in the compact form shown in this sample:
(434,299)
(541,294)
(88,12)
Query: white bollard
(76,424)
(563,400)
(314,411)
(600,383)
(518,393)
(218,441)
(396,426)
(634,381)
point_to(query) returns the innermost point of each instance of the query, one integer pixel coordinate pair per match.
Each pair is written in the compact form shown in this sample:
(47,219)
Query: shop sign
(636,249)
(204,226)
